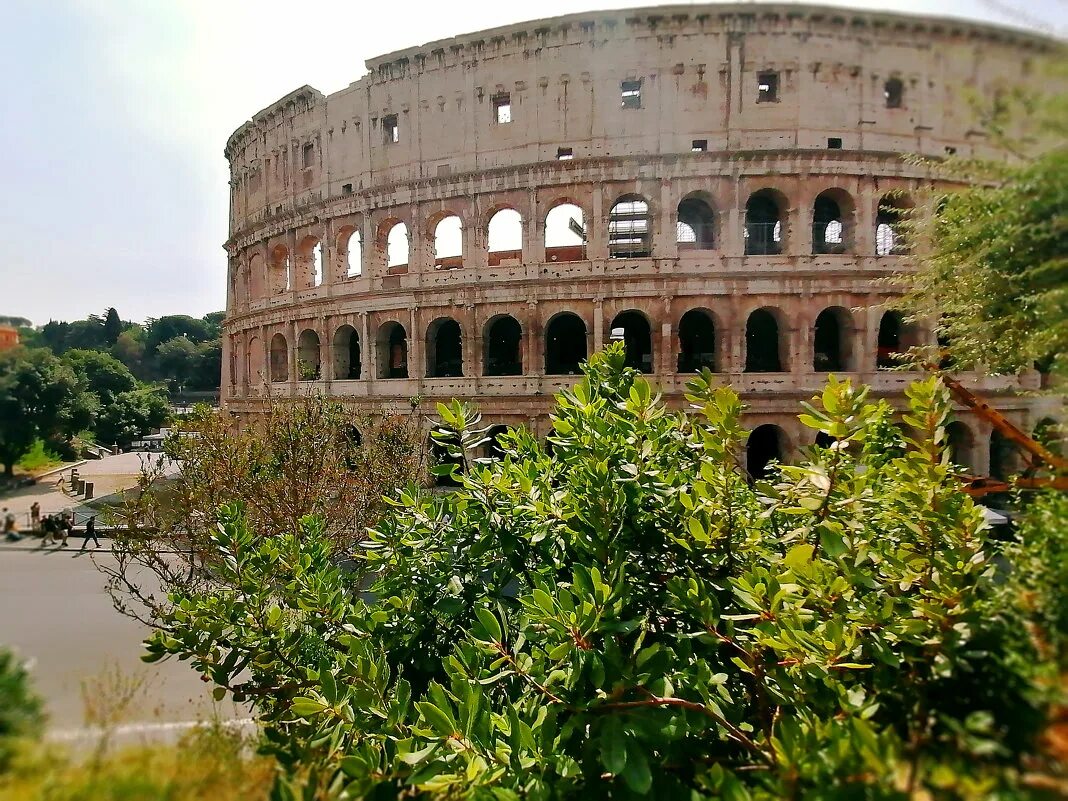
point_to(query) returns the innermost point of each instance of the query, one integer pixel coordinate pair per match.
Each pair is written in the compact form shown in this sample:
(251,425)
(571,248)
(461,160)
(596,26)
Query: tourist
(90,531)
(35,516)
(48,526)
(66,526)
(11,526)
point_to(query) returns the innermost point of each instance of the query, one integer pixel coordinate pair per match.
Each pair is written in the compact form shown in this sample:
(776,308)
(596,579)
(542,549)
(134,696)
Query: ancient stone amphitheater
(718,186)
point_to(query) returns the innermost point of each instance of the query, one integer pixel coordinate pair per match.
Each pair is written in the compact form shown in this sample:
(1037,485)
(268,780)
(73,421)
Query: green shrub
(630,616)
(21,714)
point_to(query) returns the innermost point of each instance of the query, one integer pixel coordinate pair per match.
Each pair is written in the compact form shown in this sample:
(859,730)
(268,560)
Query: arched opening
(444,349)
(397,247)
(629,232)
(346,354)
(763,348)
(279,270)
(832,214)
(501,341)
(697,342)
(695,228)
(766,444)
(824,440)
(253,355)
(505,237)
(350,248)
(565,344)
(565,234)
(894,93)
(309,272)
(889,229)
(1002,456)
(449,243)
(256,277)
(279,358)
(764,214)
(832,341)
(309,356)
(960,443)
(392,351)
(895,338)
(632,329)
(493,447)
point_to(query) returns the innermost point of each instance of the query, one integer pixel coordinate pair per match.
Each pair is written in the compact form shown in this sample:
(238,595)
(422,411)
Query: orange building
(9,337)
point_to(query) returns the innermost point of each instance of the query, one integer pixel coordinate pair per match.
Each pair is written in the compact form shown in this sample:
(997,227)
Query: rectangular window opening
(391,129)
(346,189)
(502,109)
(834,143)
(767,87)
(631,93)
(699,146)
(308,157)
(564,154)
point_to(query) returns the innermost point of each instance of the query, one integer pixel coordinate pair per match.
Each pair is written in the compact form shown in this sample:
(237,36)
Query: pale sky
(116,113)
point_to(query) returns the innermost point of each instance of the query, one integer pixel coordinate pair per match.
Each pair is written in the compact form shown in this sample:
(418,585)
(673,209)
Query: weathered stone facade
(733,171)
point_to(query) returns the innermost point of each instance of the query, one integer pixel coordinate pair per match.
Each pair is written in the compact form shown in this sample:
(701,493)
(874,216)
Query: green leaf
(613,747)
(437,719)
(636,773)
(305,707)
(489,623)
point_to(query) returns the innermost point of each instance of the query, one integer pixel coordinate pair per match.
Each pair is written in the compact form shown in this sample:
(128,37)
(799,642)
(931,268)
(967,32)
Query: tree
(167,328)
(631,616)
(129,349)
(112,326)
(179,360)
(39,398)
(993,269)
(307,456)
(131,414)
(100,373)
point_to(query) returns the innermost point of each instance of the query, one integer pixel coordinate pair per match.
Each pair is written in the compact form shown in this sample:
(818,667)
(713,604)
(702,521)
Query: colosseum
(718,186)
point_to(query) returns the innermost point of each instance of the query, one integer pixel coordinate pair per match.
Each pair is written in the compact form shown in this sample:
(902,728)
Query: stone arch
(565,232)
(279,358)
(350,252)
(632,328)
(391,350)
(309,267)
(766,443)
(257,277)
(395,245)
(447,233)
(697,341)
(502,345)
(309,356)
(504,236)
(894,93)
(695,223)
(630,230)
(1003,456)
(565,344)
(346,348)
(960,442)
(253,354)
(896,336)
(280,277)
(833,211)
(833,333)
(444,349)
(765,222)
(765,346)
(894,208)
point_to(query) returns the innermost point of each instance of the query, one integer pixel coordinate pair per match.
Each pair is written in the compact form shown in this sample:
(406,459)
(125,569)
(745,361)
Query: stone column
(533,355)
(326,349)
(598,327)
(597,229)
(665,362)
(470,349)
(367,348)
(533,232)
(291,357)
(416,363)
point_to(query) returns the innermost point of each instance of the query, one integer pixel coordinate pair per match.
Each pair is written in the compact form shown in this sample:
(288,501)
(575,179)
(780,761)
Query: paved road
(54,611)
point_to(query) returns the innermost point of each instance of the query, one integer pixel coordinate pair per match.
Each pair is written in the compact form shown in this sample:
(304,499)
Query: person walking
(48,526)
(11,526)
(66,525)
(90,531)
(35,516)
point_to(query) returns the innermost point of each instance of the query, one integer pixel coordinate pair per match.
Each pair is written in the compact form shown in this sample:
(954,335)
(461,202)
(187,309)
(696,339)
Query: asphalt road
(55,613)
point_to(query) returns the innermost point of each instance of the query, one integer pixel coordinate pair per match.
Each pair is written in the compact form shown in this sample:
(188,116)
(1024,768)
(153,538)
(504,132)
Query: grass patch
(207,763)
(38,459)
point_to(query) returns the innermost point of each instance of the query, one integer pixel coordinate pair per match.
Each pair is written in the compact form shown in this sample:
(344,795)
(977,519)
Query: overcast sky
(116,112)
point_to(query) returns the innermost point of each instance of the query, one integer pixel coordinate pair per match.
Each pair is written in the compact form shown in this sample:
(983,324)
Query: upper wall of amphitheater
(433,110)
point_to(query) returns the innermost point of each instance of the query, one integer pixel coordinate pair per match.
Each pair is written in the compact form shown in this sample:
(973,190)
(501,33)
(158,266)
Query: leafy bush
(21,714)
(629,616)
